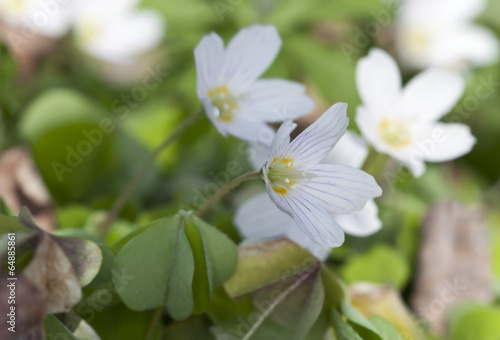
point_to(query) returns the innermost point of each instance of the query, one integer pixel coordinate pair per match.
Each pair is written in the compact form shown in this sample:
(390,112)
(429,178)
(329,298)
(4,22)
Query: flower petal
(209,58)
(249,54)
(259,218)
(378,80)
(360,223)
(295,233)
(314,143)
(246,129)
(281,141)
(315,222)
(455,141)
(350,150)
(339,188)
(276,100)
(432,94)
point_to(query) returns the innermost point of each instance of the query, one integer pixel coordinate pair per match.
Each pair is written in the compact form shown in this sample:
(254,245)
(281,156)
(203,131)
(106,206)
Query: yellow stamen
(394,133)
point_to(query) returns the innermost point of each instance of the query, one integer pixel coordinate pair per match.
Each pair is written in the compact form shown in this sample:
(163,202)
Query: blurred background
(88,90)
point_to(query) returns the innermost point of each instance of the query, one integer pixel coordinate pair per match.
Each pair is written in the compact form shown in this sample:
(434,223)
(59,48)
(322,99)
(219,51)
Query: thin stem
(375,163)
(154,321)
(278,300)
(234,183)
(129,189)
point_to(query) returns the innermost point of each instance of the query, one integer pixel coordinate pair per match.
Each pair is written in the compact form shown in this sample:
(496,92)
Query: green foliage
(473,321)
(381,264)
(184,260)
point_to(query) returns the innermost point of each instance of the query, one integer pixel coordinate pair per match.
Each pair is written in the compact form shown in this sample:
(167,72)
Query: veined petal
(432,94)
(350,150)
(455,141)
(315,221)
(360,223)
(339,188)
(209,58)
(259,218)
(295,233)
(258,155)
(276,100)
(378,81)
(314,143)
(249,54)
(281,141)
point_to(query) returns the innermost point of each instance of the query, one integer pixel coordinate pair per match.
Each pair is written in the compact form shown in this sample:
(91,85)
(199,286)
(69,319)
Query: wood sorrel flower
(403,123)
(235,100)
(432,33)
(309,191)
(258,218)
(116,31)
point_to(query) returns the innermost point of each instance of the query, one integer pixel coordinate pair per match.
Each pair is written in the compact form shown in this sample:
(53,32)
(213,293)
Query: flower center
(224,102)
(86,31)
(394,133)
(283,177)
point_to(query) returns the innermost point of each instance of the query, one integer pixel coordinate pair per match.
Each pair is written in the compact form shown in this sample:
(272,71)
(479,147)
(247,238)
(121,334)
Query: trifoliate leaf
(342,329)
(175,263)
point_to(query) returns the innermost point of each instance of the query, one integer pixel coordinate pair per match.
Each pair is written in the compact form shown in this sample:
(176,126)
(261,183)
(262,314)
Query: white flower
(440,33)
(258,218)
(309,191)
(403,123)
(48,18)
(235,100)
(115,31)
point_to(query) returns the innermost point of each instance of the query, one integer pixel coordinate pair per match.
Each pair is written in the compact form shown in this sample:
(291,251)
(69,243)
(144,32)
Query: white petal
(455,140)
(258,154)
(339,188)
(378,81)
(209,58)
(259,218)
(360,223)
(246,129)
(432,94)
(249,54)
(315,222)
(350,150)
(470,44)
(314,143)
(368,123)
(281,141)
(296,234)
(126,36)
(276,100)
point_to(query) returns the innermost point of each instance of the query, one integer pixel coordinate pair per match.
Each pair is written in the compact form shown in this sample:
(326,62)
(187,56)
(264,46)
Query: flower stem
(129,189)
(234,183)
(375,164)
(154,321)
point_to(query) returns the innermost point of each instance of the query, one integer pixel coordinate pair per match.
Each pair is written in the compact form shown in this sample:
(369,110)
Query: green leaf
(473,321)
(382,264)
(69,144)
(335,290)
(10,225)
(272,260)
(359,322)
(176,262)
(385,328)
(152,257)
(56,330)
(202,280)
(342,329)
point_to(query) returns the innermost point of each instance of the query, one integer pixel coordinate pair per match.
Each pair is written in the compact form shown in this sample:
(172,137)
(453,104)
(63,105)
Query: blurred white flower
(309,191)
(258,218)
(49,18)
(235,100)
(403,123)
(116,31)
(441,33)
